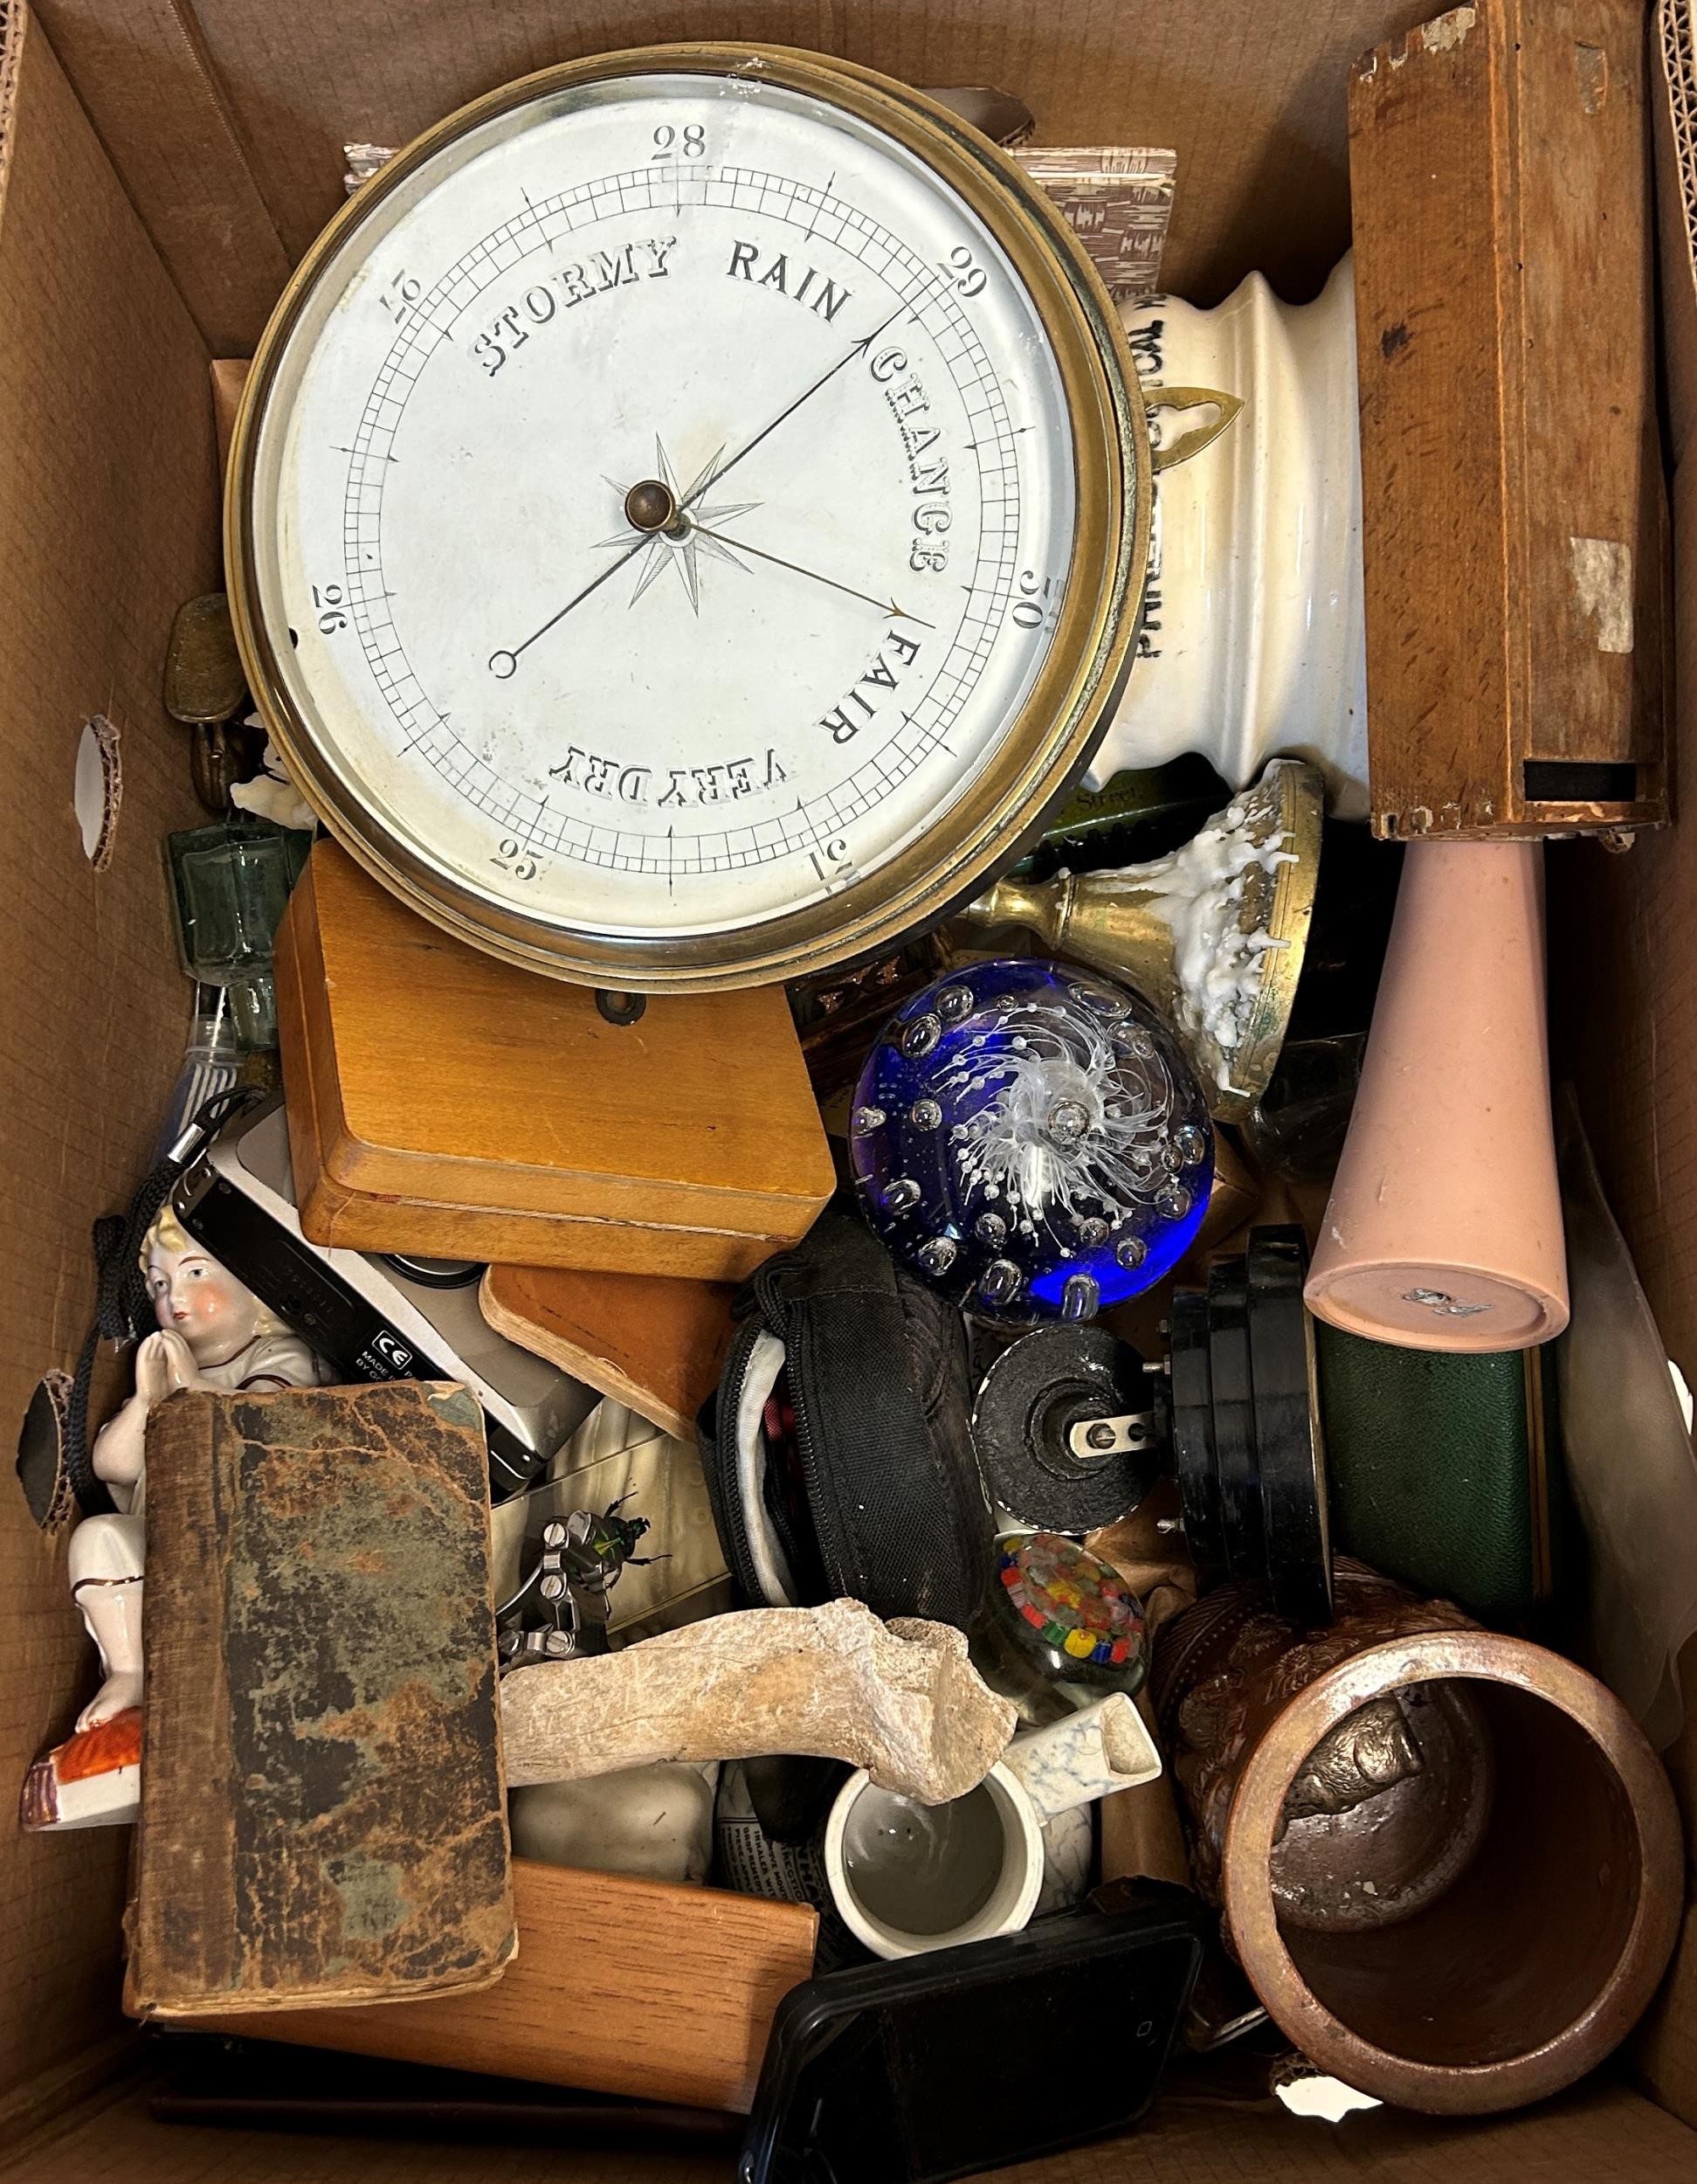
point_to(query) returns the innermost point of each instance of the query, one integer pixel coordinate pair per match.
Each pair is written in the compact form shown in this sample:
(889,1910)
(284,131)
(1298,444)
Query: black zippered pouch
(845,1467)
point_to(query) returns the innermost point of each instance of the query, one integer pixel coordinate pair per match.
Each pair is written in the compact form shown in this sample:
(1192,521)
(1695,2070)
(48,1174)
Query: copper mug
(1448,1861)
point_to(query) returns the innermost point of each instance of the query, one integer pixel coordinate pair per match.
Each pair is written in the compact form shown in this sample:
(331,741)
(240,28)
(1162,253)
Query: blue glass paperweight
(1028,1137)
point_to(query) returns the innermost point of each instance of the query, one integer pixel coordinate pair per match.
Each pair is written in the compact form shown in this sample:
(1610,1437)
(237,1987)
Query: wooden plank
(655,1345)
(620,1986)
(1514,529)
(229,378)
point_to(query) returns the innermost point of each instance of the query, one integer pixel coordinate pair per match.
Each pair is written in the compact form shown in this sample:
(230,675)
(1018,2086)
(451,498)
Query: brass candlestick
(1213,934)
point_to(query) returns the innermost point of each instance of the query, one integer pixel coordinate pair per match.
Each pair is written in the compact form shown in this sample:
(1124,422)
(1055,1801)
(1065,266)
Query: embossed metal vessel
(1448,1861)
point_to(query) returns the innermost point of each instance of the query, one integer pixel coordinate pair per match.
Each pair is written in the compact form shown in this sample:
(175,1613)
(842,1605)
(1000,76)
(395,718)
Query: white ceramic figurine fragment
(1253,643)
(654,1821)
(213,1333)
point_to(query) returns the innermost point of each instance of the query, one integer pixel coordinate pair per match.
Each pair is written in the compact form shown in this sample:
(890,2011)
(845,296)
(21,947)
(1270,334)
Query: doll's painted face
(213,1312)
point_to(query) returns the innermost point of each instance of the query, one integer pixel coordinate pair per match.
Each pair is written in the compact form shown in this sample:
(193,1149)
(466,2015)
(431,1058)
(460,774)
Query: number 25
(514,859)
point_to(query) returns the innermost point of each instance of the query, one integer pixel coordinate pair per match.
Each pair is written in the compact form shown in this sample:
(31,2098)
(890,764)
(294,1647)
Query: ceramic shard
(899,1699)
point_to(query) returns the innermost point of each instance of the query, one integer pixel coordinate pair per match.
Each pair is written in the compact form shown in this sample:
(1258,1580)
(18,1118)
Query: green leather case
(1438,1471)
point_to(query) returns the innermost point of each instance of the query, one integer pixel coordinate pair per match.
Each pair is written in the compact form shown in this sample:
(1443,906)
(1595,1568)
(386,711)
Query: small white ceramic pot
(908,1877)
(1254,644)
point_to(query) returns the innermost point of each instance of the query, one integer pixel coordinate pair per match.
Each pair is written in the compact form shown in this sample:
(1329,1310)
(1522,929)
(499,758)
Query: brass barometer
(688,517)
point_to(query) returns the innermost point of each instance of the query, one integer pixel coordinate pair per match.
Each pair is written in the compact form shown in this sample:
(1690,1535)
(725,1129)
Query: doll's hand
(153,1370)
(163,1364)
(181,1370)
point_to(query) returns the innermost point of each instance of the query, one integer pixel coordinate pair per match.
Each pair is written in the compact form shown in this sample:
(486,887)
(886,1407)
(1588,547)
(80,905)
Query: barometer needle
(594,584)
(856,349)
(742,546)
(509,660)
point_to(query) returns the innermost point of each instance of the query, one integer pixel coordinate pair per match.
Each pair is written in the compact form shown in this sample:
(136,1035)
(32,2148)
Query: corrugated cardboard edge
(1621,939)
(1674,120)
(11,45)
(107,522)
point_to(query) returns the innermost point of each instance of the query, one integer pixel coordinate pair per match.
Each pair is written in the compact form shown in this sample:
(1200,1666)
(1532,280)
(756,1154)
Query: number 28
(667,144)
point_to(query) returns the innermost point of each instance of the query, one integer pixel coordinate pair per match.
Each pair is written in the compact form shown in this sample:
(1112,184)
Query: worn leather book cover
(322,1815)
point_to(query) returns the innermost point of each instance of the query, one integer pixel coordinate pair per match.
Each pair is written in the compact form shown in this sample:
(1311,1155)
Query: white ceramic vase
(1253,644)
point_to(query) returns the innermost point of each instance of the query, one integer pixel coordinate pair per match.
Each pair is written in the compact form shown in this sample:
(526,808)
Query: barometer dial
(688,517)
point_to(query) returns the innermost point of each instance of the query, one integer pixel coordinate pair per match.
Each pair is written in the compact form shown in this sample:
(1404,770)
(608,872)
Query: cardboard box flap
(108,503)
(1600,2133)
(168,130)
(227,110)
(250,115)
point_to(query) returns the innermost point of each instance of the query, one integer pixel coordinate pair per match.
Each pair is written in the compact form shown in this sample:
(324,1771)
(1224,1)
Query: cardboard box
(162,164)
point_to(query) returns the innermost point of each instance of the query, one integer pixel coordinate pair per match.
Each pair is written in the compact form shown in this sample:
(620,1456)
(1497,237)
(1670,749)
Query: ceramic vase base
(1421,1304)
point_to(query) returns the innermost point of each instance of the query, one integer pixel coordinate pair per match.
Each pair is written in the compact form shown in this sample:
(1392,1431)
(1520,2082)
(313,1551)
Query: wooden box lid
(442,1103)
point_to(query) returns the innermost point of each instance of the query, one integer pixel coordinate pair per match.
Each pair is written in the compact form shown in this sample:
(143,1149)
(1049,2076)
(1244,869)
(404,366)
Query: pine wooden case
(1513,516)
(445,1104)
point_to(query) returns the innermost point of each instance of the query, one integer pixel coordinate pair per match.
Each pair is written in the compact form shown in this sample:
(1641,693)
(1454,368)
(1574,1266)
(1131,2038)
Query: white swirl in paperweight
(1028,1136)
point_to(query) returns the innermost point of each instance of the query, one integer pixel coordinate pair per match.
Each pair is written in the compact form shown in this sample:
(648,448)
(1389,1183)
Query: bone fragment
(901,1700)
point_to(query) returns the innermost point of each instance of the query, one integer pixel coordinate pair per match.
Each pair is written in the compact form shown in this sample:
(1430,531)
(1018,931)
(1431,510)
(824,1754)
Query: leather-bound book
(322,1817)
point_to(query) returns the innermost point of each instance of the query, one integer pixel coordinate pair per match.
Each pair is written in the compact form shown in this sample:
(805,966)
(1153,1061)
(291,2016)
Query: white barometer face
(688,518)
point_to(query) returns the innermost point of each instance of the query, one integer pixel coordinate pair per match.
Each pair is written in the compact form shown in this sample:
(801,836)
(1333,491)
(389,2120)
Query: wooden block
(322,1813)
(1514,529)
(653,1344)
(445,1104)
(620,1986)
(229,378)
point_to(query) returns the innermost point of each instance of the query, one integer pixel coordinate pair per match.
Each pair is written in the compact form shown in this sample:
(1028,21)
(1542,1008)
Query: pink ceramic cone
(1444,1231)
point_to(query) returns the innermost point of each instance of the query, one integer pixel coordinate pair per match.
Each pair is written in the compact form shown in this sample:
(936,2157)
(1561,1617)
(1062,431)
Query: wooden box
(619,1986)
(445,1104)
(1514,527)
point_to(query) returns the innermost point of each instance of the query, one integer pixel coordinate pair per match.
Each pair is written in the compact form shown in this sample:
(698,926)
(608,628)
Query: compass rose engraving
(678,530)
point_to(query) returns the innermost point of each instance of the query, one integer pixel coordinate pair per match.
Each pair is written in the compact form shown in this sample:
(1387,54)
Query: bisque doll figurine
(213,1333)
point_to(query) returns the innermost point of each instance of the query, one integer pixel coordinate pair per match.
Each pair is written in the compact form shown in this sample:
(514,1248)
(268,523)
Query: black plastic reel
(1031,1420)
(1236,1459)
(1289,1438)
(1247,1435)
